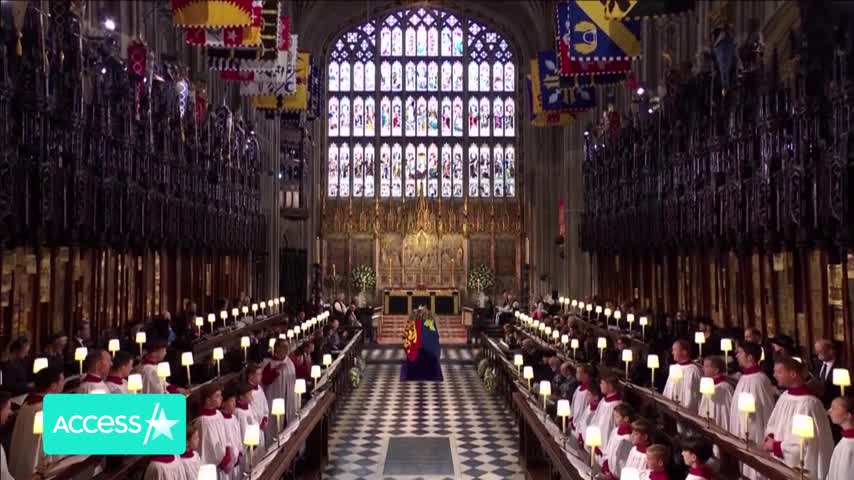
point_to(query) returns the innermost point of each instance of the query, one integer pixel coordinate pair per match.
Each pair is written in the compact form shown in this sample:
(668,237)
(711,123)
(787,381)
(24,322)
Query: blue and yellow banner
(588,31)
(553,97)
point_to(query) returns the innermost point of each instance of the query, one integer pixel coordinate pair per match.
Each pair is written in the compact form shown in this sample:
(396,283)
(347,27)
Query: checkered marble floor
(482,431)
(395,354)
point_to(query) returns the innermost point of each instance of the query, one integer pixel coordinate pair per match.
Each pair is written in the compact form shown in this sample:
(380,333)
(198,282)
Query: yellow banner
(297,101)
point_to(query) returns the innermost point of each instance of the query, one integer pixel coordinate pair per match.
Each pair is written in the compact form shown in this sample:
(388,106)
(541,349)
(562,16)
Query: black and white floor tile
(482,432)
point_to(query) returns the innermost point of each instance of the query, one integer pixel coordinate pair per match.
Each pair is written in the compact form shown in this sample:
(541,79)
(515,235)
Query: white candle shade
(593,436)
(98,390)
(290,334)
(699,338)
(564,339)
(254,307)
(627,355)
(244,342)
(163,370)
(555,335)
(573,343)
(602,342)
(652,361)
(598,309)
(140,338)
(297,330)
(548,331)
(630,318)
(114,345)
(281,299)
(746,403)
(518,360)
(223,315)
(278,407)
(263,305)
(327,359)
(803,426)
(235,312)
(134,382)
(38,423)
(589,307)
(80,353)
(528,372)
(574,303)
(211,318)
(726,344)
(186,359)
(545,388)
(707,386)
(563,409)
(643,321)
(218,353)
(618,315)
(272,342)
(39,364)
(542,327)
(315,371)
(607,312)
(516,314)
(252,437)
(245,310)
(207,472)
(841,377)
(284,336)
(675,372)
(581,305)
(299,386)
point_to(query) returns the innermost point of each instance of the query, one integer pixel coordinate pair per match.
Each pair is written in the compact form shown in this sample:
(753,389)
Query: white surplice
(278,378)
(234,438)
(151,383)
(164,467)
(578,404)
(215,442)
(246,416)
(4,469)
(686,391)
(190,465)
(842,461)
(117,384)
(617,450)
(701,473)
(818,450)
(716,406)
(91,383)
(261,407)
(604,417)
(25,449)
(756,383)
(636,459)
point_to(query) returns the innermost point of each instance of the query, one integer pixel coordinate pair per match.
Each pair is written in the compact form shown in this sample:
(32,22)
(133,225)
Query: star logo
(160,424)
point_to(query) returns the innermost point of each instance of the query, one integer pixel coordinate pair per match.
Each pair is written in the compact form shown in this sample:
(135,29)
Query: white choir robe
(91,383)
(756,383)
(650,475)
(235,439)
(117,384)
(842,461)
(716,406)
(688,389)
(701,473)
(164,467)
(817,451)
(26,452)
(584,419)
(604,417)
(214,444)
(616,452)
(151,383)
(579,403)
(246,416)
(278,378)
(190,462)
(636,459)
(261,408)
(4,469)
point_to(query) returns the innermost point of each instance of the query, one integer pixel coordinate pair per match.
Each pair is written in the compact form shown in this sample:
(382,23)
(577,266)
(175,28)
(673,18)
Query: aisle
(388,429)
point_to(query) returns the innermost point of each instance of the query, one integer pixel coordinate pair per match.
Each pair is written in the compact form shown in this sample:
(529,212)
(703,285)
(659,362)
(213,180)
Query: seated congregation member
(826,360)
(696,452)
(842,461)
(568,384)
(259,404)
(215,447)
(717,406)
(232,431)
(302,368)
(585,374)
(685,392)
(97,367)
(641,438)
(119,372)
(5,413)
(616,452)
(54,351)
(278,378)
(779,439)
(594,398)
(25,449)
(151,383)
(657,460)
(16,369)
(604,416)
(753,381)
(190,460)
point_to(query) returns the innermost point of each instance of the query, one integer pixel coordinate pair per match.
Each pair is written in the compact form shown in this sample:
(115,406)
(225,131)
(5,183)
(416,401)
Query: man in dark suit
(826,360)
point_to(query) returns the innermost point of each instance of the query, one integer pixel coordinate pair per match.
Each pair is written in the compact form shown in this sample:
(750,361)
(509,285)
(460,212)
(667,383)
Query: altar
(440,301)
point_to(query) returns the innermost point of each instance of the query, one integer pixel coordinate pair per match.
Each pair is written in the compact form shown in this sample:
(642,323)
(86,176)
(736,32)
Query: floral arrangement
(480,278)
(490,381)
(364,278)
(482,367)
(355,377)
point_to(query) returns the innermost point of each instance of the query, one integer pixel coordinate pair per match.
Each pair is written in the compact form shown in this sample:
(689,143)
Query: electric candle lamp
(80,355)
(842,379)
(700,339)
(746,406)
(563,411)
(652,363)
(251,438)
(163,372)
(607,316)
(281,300)
(617,316)
(283,336)
(536,324)
(630,318)
(581,307)
(573,303)
(199,321)
(223,315)
(263,305)
(564,340)
(270,305)
(593,439)
(278,409)
(528,374)
(134,382)
(560,300)
(573,344)
(545,391)
(602,344)
(726,347)
(207,472)
(555,336)
(589,310)
(598,309)
(38,423)
(327,360)
(244,344)
(627,359)
(707,389)
(516,314)
(140,339)
(254,309)
(315,374)
(113,346)
(234,313)
(271,343)
(297,331)
(518,361)
(218,354)
(187,361)
(643,322)
(803,427)
(244,310)
(676,377)
(39,364)
(299,389)
(290,334)
(548,332)
(212,320)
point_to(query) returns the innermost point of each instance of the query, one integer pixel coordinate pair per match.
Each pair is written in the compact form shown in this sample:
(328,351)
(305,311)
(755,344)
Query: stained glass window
(428,137)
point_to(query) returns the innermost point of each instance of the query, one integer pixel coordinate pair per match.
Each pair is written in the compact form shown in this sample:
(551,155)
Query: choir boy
(215,446)
(656,463)
(604,416)
(584,374)
(164,467)
(798,399)
(119,372)
(5,413)
(259,403)
(97,366)
(190,458)
(696,452)
(641,433)
(232,431)
(245,414)
(717,405)
(686,391)
(25,449)
(619,443)
(151,383)
(278,378)
(594,397)
(753,381)
(842,461)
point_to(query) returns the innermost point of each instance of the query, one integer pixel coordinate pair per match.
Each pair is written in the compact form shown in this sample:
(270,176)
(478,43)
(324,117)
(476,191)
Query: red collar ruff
(658,476)
(148,361)
(614,397)
(208,412)
(701,471)
(848,433)
(163,458)
(188,454)
(720,379)
(116,380)
(35,398)
(91,378)
(242,405)
(751,370)
(799,391)
(624,429)
(582,387)
(226,415)
(641,448)
(594,405)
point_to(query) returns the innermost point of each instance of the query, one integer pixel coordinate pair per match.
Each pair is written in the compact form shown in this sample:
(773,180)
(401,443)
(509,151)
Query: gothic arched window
(445,90)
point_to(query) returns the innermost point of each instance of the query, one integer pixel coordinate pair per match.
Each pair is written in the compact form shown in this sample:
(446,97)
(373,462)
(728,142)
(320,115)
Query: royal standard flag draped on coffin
(591,32)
